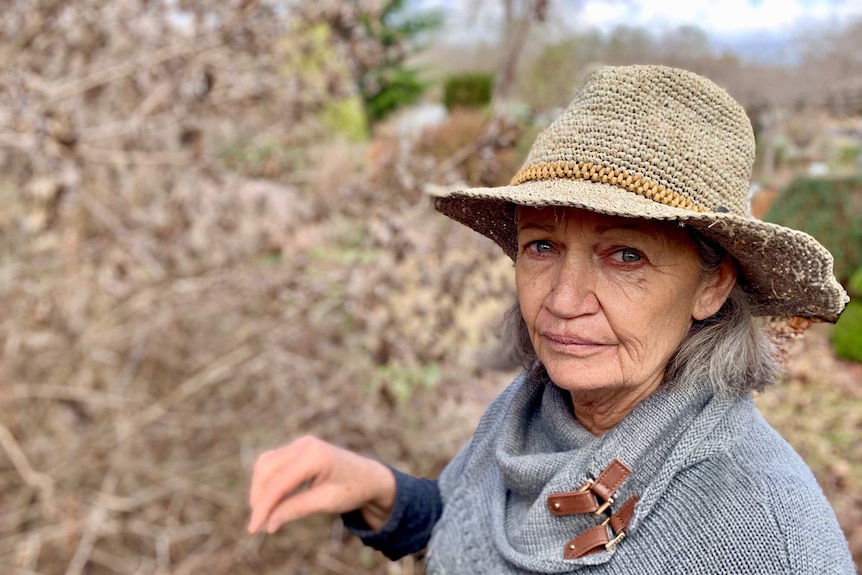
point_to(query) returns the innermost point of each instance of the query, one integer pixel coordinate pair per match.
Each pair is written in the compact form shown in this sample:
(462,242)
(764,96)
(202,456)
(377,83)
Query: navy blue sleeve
(417,508)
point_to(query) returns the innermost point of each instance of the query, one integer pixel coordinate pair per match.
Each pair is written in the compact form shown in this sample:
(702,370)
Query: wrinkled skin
(607,301)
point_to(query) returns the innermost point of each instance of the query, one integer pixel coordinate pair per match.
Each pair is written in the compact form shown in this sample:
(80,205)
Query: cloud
(719,17)
(760,29)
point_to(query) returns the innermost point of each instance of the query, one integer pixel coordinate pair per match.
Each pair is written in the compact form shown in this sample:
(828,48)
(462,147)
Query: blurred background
(214,239)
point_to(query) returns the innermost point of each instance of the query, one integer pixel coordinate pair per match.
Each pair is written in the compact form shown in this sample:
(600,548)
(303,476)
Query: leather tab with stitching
(610,479)
(584,500)
(620,520)
(572,503)
(587,542)
(597,538)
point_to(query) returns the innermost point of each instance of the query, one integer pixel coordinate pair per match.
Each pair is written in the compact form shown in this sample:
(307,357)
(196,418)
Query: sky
(723,17)
(755,28)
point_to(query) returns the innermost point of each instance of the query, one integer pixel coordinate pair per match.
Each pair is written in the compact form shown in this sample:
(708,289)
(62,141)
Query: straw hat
(664,144)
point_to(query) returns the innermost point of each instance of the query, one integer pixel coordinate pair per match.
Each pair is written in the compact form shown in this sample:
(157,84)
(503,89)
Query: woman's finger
(279,473)
(323,499)
(271,463)
(338,480)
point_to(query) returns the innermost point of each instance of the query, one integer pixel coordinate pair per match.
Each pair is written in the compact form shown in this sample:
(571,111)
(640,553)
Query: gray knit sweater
(720,491)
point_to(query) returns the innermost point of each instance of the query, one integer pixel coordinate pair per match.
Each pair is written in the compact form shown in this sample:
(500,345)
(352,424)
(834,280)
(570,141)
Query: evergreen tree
(390,84)
(376,39)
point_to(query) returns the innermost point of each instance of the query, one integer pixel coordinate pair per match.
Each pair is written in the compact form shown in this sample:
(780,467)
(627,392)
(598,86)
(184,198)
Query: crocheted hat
(664,144)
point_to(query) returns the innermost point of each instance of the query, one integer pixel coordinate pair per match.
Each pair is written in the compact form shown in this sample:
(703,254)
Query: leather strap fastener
(594,496)
(604,536)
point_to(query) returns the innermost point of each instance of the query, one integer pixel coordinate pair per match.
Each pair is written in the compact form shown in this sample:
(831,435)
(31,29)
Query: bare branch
(42,482)
(119,71)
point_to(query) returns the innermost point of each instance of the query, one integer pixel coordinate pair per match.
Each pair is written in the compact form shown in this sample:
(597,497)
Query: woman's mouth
(573,345)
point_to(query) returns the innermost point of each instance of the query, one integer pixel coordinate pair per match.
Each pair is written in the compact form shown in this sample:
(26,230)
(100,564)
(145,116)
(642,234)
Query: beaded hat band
(591,172)
(665,144)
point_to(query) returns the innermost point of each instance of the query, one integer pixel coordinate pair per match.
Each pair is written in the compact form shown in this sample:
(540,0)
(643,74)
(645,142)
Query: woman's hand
(337,481)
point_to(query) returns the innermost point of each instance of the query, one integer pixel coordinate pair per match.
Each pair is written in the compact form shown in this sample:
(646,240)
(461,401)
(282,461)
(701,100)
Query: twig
(88,541)
(460,156)
(91,532)
(122,235)
(126,158)
(127,126)
(66,393)
(198,561)
(17,141)
(490,132)
(196,486)
(13,570)
(32,549)
(119,504)
(115,564)
(113,73)
(156,97)
(333,565)
(212,374)
(16,512)
(46,534)
(31,477)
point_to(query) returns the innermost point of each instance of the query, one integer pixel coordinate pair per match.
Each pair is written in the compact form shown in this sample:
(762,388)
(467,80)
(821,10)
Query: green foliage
(403,381)
(307,52)
(264,159)
(400,31)
(398,88)
(854,286)
(346,117)
(472,90)
(846,336)
(309,59)
(831,211)
(847,157)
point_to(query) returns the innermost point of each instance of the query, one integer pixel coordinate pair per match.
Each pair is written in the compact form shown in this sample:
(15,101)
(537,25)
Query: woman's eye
(628,255)
(542,246)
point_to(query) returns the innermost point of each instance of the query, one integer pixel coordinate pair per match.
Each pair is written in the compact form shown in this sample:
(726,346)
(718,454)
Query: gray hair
(729,349)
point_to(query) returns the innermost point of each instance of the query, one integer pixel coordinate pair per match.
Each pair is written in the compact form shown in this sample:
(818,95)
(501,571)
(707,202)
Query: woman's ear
(715,289)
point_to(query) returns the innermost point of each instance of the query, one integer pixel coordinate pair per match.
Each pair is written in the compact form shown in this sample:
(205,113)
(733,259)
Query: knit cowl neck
(529,445)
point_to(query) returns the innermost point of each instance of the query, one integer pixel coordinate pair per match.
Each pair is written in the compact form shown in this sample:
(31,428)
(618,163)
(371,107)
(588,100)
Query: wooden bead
(588,171)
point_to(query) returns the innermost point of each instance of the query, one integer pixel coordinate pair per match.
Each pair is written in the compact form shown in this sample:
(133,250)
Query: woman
(630,444)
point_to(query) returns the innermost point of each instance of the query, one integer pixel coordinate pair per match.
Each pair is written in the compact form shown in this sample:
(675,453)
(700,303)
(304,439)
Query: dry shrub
(478,147)
(175,338)
(165,315)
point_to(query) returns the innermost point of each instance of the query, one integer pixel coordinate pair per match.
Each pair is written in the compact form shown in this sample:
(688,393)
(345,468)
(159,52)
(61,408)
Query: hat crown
(662,144)
(663,126)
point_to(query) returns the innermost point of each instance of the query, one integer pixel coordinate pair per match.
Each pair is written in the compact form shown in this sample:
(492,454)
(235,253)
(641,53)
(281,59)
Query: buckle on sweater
(594,496)
(619,537)
(603,536)
(604,505)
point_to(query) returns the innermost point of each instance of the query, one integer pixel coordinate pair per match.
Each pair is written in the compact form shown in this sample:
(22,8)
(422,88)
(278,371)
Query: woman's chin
(576,379)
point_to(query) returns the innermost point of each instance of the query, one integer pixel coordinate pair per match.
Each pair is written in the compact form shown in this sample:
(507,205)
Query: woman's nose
(573,289)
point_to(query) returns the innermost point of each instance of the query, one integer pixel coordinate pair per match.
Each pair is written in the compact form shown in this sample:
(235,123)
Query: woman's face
(607,300)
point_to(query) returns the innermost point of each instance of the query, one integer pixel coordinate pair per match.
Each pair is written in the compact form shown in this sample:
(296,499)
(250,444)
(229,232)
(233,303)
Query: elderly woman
(630,443)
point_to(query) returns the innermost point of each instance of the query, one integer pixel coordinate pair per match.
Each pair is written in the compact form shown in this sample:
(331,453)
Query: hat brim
(786,272)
